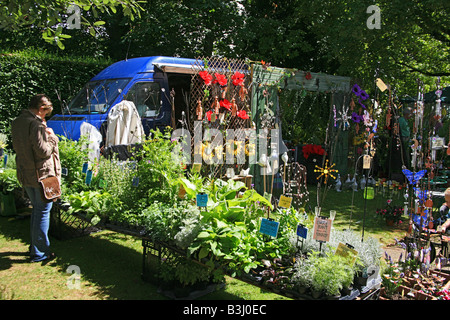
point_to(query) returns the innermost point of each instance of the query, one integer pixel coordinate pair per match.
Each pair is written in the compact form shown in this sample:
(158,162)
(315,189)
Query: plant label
(196,167)
(346,252)
(268,196)
(285,202)
(85,167)
(366,161)
(202,199)
(181,192)
(88,177)
(322,228)
(381,85)
(269,227)
(302,231)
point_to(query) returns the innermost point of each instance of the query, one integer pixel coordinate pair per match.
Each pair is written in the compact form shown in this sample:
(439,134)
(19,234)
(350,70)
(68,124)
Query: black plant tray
(64,226)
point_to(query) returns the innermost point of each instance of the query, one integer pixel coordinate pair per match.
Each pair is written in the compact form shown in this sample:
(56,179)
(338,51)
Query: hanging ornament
(343,118)
(438,100)
(352,104)
(224,92)
(199,110)
(285,157)
(388,117)
(233,107)
(216,105)
(242,93)
(326,171)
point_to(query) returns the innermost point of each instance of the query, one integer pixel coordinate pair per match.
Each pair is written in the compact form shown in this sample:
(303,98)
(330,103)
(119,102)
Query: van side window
(146,96)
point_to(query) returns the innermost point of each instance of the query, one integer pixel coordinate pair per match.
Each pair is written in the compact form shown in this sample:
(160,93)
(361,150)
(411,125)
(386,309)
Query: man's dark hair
(36,101)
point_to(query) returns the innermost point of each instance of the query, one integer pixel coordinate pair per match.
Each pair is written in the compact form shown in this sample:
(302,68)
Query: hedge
(26,73)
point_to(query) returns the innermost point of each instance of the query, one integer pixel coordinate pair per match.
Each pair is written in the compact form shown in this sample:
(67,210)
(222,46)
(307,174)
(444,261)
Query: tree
(412,41)
(53,17)
(274,31)
(185,28)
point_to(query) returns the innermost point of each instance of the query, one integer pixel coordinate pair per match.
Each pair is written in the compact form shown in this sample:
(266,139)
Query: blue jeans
(40,222)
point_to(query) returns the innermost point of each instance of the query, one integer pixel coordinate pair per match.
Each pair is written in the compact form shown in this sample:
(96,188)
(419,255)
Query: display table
(155,254)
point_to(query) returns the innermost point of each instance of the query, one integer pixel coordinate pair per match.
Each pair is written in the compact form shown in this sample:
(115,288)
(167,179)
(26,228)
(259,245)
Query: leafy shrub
(157,169)
(328,273)
(8,181)
(116,177)
(26,73)
(179,222)
(94,204)
(72,157)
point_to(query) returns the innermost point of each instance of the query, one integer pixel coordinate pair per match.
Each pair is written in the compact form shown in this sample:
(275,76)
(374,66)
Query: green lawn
(110,263)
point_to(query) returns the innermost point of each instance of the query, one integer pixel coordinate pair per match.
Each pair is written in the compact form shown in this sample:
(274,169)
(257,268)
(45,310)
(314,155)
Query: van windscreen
(97,96)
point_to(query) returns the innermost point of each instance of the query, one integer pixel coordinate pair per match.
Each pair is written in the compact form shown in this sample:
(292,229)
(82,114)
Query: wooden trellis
(215,105)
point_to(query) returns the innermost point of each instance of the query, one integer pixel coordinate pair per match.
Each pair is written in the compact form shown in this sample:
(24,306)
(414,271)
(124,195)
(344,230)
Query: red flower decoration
(221,79)
(312,149)
(238,78)
(226,104)
(206,77)
(308,76)
(208,115)
(242,114)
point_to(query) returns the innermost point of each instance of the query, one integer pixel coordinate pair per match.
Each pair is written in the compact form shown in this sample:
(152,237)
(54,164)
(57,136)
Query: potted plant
(302,277)
(391,214)
(369,253)
(391,279)
(329,274)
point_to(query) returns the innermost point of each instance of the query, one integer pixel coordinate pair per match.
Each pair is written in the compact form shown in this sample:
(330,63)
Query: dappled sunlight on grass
(354,212)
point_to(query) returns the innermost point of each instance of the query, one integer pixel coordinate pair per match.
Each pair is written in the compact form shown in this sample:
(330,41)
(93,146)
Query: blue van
(147,81)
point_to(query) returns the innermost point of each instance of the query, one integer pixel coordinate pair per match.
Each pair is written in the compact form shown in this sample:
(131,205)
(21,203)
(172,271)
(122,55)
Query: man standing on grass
(37,157)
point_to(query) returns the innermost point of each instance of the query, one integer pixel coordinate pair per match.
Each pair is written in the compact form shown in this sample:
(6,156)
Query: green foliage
(94,204)
(157,169)
(166,222)
(116,177)
(184,271)
(167,24)
(73,155)
(24,74)
(8,181)
(391,278)
(327,273)
(45,15)
(295,104)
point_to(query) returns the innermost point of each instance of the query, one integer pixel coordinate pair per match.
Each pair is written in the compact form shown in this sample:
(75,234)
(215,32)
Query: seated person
(444,216)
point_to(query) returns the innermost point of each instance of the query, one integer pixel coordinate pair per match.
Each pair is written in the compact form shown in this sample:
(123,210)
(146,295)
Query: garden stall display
(200,224)
(206,242)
